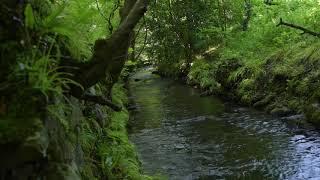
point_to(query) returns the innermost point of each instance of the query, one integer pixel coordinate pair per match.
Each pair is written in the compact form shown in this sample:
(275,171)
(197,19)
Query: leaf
(51,21)
(29,17)
(130,50)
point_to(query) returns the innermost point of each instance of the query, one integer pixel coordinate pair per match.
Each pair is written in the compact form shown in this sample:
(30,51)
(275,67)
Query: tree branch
(145,41)
(101,100)
(110,54)
(130,21)
(294,26)
(116,6)
(100,11)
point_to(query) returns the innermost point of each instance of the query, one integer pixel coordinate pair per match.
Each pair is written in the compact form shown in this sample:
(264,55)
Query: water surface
(184,136)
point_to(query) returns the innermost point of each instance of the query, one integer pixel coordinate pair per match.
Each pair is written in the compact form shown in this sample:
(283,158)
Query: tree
(247,16)
(108,57)
(110,54)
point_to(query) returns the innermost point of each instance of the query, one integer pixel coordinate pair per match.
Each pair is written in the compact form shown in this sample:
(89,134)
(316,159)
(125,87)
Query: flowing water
(184,136)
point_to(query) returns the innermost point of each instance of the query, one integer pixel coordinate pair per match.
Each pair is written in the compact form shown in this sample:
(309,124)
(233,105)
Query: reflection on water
(184,136)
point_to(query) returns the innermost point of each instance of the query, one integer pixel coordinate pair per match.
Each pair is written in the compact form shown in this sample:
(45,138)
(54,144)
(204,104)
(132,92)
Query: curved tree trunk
(110,54)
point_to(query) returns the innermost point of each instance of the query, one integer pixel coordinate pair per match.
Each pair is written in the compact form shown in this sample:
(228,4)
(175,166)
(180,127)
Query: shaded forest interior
(65,63)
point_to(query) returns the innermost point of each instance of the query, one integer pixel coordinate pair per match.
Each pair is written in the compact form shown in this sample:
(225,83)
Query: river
(184,136)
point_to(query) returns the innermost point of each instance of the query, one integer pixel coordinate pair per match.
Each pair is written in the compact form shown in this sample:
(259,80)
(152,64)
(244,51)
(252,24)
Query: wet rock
(206,93)
(312,112)
(265,101)
(63,171)
(295,117)
(240,109)
(294,120)
(281,111)
(24,141)
(155,72)
(179,146)
(99,115)
(23,148)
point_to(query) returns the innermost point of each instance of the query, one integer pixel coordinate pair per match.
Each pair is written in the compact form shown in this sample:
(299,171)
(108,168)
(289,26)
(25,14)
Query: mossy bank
(262,54)
(92,144)
(284,83)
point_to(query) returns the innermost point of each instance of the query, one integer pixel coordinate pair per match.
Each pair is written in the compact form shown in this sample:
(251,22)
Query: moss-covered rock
(21,140)
(281,111)
(312,112)
(264,102)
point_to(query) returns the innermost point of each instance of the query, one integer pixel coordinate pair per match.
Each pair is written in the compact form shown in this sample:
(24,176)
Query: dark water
(184,136)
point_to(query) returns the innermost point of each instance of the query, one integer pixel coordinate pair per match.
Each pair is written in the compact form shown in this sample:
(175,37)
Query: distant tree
(247,15)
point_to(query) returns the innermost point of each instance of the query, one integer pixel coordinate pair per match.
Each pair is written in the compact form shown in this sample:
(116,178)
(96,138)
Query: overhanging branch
(145,41)
(294,26)
(110,54)
(101,100)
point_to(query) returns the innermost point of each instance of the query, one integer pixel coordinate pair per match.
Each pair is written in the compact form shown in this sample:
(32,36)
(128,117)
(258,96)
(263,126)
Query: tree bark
(101,100)
(110,54)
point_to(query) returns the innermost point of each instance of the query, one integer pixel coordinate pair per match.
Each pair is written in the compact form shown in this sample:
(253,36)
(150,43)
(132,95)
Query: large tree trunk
(110,54)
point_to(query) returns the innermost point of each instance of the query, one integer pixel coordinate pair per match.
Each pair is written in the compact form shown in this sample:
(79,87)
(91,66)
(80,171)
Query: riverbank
(184,136)
(76,140)
(52,126)
(284,84)
(118,153)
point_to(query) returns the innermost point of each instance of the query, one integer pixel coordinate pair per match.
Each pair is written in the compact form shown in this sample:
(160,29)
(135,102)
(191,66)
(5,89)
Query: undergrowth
(117,157)
(35,89)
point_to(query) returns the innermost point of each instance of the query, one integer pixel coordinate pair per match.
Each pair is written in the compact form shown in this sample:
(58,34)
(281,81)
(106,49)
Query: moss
(108,149)
(281,111)
(281,84)
(312,112)
(118,157)
(264,102)
(16,130)
(62,171)
(21,141)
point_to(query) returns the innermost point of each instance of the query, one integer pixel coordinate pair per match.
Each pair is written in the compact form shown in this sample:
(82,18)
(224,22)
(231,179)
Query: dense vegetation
(62,116)
(260,53)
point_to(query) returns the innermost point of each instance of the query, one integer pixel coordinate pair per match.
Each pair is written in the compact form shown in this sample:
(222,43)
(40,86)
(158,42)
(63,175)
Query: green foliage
(29,17)
(119,95)
(60,111)
(204,74)
(118,156)
(176,31)
(55,31)
(15,130)
(270,59)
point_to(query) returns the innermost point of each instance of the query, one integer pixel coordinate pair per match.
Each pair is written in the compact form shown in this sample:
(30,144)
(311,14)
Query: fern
(29,17)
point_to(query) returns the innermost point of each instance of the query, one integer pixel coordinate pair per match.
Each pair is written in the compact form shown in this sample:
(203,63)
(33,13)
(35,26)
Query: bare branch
(116,6)
(145,40)
(101,100)
(100,11)
(294,26)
